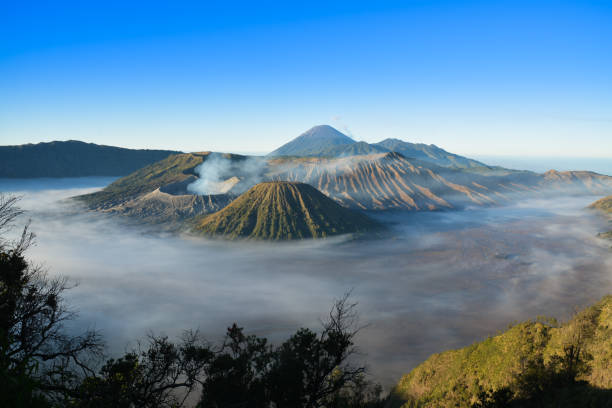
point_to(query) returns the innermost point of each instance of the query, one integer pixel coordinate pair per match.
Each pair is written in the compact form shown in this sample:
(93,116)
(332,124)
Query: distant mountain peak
(325,132)
(323,128)
(313,141)
(325,141)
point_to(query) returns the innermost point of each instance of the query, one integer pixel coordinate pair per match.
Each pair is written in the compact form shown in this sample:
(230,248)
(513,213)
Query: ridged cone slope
(281,211)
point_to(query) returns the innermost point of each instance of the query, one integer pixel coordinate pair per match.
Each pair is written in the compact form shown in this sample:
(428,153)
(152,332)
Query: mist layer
(443,279)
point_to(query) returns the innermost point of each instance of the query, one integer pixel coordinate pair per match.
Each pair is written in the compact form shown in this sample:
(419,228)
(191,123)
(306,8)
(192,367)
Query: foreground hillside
(282,211)
(535,363)
(73,159)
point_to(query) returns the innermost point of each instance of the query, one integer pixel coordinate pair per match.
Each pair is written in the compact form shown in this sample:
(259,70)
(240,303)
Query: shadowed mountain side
(524,360)
(584,180)
(430,153)
(171,175)
(174,169)
(73,159)
(282,211)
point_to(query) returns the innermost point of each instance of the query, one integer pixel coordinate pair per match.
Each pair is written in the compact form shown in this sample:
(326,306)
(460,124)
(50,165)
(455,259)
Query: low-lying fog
(446,280)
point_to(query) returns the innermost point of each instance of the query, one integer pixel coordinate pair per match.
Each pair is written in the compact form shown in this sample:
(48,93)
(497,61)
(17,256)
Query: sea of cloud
(436,281)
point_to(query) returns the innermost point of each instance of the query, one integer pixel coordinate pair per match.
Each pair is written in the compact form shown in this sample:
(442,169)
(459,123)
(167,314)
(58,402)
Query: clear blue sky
(508,78)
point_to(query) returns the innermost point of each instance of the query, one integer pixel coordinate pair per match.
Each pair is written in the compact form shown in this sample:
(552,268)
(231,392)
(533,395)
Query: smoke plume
(220,174)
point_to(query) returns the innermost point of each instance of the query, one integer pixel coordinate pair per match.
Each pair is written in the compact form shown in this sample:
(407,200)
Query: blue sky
(481,78)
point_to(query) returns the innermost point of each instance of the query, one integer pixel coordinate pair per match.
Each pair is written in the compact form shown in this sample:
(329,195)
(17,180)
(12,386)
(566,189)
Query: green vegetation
(43,366)
(173,169)
(605,235)
(536,363)
(37,358)
(73,159)
(605,206)
(280,211)
(308,370)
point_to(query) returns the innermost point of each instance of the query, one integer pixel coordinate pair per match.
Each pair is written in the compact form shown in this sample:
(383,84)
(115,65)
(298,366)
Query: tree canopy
(43,365)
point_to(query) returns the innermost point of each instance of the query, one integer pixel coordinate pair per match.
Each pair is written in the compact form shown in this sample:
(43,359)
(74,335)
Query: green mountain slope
(605,206)
(281,211)
(73,159)
(430,153)
(455,378)
(173,169)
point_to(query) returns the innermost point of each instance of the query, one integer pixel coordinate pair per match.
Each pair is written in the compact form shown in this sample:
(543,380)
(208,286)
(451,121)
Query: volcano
(314,142)
(282,211)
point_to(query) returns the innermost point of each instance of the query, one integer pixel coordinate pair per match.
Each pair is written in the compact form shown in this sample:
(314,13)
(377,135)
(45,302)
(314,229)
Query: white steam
(219,174)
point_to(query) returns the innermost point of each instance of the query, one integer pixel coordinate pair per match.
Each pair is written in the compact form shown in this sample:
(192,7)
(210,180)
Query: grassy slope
(170,170)
(452,378)
(281,211)
(604,205)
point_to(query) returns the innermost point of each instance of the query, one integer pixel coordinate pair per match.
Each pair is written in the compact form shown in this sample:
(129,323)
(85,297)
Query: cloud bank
(442,281)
